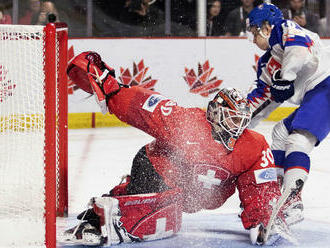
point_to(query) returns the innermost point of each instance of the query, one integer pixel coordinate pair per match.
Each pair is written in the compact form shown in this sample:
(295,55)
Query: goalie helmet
(263,12)
(229,114)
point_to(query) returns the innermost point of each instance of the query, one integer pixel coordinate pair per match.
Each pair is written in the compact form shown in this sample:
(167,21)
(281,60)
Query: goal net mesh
(22,136)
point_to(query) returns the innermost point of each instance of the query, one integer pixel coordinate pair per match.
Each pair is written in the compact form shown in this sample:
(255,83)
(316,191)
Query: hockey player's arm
(293,60)
(257,186)
(261,103)
(144,109)
(297,50)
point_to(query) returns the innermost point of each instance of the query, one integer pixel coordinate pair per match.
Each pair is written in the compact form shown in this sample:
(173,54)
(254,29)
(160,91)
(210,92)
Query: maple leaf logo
(138,77)
(6,85)
(202,84)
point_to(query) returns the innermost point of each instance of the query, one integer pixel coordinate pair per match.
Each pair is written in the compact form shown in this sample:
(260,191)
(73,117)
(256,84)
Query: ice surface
(99,157)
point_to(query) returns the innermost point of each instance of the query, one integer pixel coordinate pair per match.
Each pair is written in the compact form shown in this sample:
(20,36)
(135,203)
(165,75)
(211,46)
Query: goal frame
(56,125)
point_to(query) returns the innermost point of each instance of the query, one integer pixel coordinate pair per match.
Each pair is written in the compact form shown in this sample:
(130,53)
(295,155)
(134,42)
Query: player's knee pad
(139,217)
(279,136)
(299,145)
(300,141)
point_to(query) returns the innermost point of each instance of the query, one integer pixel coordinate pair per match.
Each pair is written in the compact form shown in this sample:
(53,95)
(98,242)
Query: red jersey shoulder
(248,148)
(193,116)
(250,141)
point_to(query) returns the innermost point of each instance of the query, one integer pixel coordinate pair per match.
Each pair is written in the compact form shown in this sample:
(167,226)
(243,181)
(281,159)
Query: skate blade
(73,241)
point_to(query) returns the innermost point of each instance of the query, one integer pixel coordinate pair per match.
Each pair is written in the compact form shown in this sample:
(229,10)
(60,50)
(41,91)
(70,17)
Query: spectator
(227,6)
(305,18)
(32,8)
(4,18)
(236,19)
(141,13)
(280,3)
(48,13)
(214,27)
(183,12)
(111,8)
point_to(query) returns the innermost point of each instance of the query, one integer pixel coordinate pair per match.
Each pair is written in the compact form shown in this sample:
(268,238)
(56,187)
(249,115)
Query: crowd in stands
(147,17)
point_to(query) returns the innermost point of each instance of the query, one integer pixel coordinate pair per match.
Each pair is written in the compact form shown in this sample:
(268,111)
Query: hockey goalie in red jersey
(196,161)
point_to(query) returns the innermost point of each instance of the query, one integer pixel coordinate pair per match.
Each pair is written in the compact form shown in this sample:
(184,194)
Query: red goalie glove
(87,66)
(92,75)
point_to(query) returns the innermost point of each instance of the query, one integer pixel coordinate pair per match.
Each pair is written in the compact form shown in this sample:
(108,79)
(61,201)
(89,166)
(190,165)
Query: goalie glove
(103,89)
(92,75)
(281,89)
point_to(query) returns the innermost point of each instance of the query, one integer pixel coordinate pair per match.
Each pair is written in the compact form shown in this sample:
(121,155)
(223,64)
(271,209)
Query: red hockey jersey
(185,154)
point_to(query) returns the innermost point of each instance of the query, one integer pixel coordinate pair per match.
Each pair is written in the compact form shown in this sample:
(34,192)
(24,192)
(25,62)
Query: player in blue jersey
(295,68)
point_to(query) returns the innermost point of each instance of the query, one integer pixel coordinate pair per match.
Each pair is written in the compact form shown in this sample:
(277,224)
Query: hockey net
(33,133)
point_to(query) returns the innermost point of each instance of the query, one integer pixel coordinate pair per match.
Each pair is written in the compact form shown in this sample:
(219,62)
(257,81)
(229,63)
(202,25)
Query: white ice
(98,158)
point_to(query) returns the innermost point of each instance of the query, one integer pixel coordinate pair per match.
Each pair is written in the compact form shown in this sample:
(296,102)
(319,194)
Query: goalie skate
(83,234)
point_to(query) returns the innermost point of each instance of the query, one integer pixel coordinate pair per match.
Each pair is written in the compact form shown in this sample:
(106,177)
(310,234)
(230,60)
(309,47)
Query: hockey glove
(281,89)
(92,75)
(85,63)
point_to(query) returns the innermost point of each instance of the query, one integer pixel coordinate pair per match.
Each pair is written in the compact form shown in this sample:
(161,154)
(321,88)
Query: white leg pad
(107,208)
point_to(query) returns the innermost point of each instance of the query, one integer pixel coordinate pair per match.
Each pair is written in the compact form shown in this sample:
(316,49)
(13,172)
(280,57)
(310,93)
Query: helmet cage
(228,117)
(233,122)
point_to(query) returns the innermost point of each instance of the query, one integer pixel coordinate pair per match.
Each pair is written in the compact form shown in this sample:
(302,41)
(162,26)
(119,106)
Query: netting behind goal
(33,133)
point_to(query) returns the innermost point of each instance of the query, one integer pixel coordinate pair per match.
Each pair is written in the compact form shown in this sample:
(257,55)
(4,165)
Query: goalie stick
(287,194)
(260,108)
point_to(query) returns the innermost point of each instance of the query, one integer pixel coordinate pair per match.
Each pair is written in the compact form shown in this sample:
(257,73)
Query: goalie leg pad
(134,218)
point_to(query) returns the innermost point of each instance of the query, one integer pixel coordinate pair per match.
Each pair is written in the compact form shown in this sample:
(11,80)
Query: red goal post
(33,133)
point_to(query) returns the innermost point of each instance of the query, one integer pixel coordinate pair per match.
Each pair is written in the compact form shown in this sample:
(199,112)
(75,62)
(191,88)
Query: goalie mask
(229,114)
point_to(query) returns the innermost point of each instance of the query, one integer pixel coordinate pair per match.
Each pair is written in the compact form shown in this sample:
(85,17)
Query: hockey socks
(298,160)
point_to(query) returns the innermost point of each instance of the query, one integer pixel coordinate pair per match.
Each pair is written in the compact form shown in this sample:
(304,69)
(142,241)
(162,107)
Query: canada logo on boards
(137,77)
(7,87)
(200,82)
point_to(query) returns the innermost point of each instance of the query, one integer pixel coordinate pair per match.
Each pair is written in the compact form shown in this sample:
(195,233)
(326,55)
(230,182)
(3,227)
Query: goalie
(196,161)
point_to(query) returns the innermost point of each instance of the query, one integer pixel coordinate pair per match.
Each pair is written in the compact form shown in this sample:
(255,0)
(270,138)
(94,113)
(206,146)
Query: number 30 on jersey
(267,158)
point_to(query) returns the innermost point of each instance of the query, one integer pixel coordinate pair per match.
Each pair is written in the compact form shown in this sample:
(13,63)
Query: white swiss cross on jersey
(208,176)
